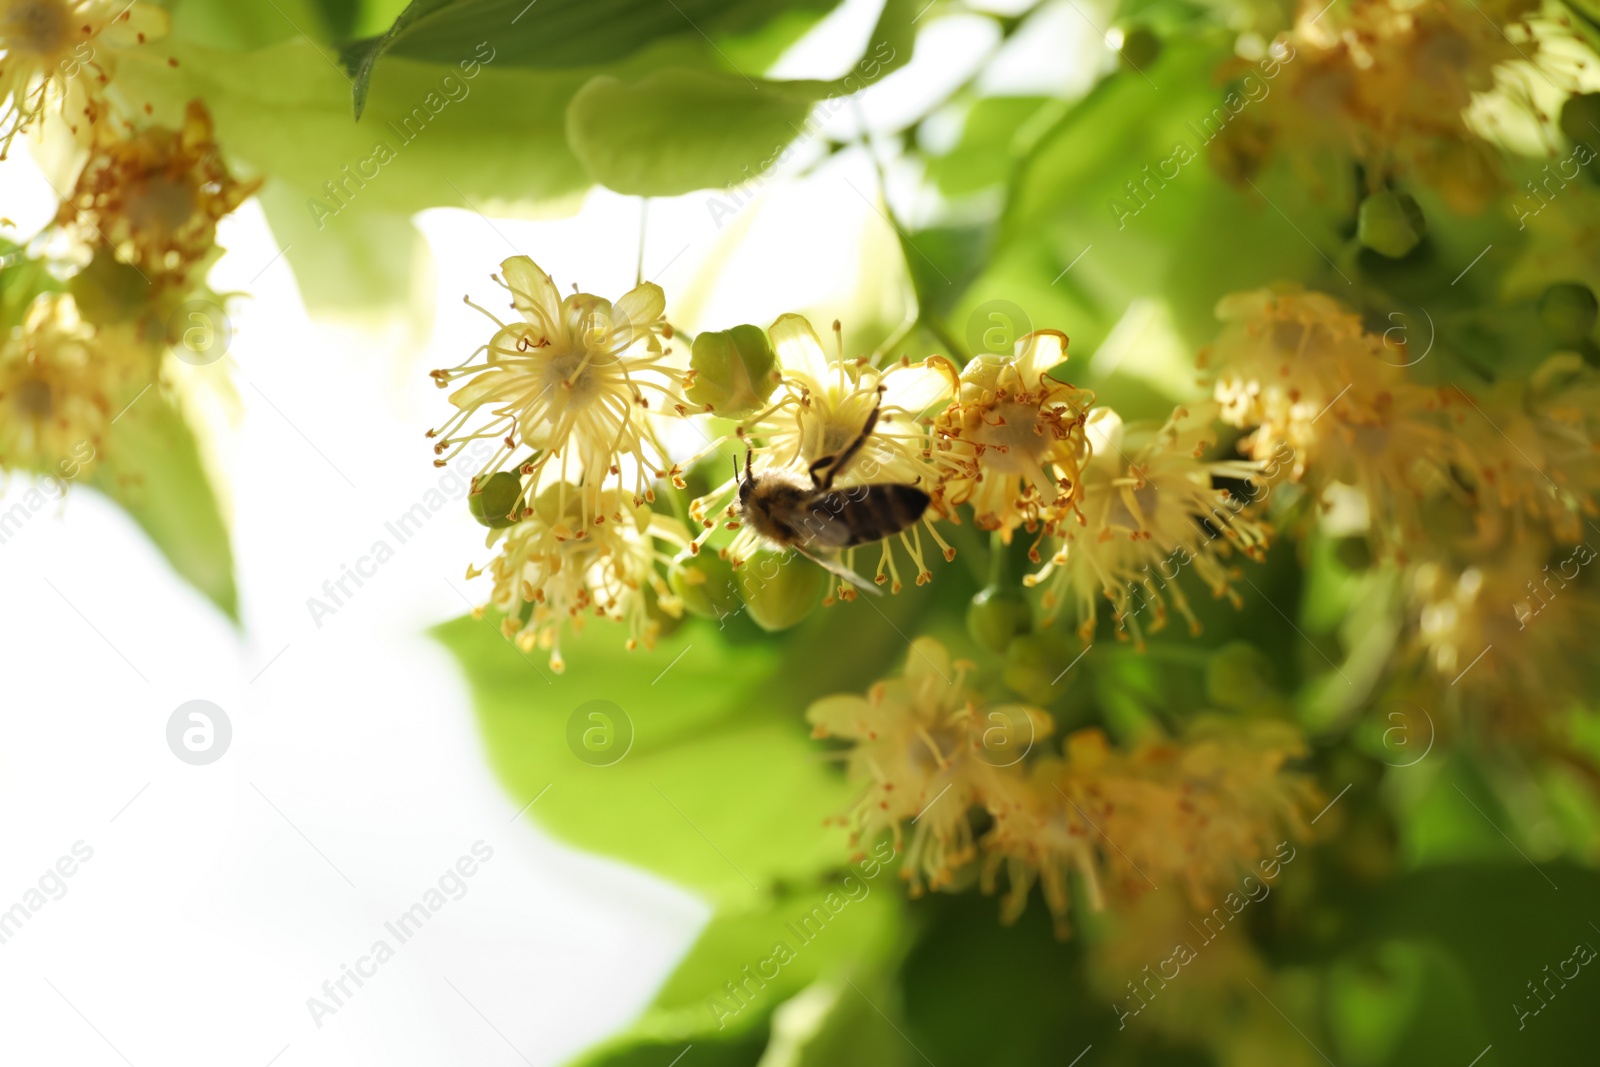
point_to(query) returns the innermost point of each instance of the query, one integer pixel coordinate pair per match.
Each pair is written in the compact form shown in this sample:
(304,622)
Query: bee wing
(841,571)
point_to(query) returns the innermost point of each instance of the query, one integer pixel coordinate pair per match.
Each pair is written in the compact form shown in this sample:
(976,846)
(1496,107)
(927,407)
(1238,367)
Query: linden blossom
(454,89)
(1184,954)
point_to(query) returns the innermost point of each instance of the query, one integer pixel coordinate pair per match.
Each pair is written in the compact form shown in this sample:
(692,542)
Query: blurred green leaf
(676,130)
(987,151)
(750,961)
(245,24)
(354,263)
(152,468)
(284,112)
(554,34)
(1503,924)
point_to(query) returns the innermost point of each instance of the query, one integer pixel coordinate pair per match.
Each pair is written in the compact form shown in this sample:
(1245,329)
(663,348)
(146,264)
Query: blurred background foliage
(1436,895)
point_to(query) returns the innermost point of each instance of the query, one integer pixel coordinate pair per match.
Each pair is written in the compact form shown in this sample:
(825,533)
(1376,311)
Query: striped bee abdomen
(844,518)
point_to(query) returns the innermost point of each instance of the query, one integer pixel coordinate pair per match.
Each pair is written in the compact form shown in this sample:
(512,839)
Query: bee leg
(836,465)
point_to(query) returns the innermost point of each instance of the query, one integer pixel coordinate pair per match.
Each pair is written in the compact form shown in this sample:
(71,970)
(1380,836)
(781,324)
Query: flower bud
(705,583)
(492,499)
(1580,118)
(734,371)
(1139,48)
(107,291)
(780,589)
(1390,223)
(996,615)
(1239,676)
(1035,664)
(1568,310)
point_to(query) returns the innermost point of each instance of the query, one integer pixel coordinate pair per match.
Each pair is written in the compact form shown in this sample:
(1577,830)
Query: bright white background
(219,898)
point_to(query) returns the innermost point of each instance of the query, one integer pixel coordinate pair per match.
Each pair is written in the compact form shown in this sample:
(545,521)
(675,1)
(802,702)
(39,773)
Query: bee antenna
(748,454)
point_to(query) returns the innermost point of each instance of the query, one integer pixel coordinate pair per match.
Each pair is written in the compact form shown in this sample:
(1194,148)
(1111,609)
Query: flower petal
(1040,351)
(917,390)
(533,294)
(639,308)
(799,350)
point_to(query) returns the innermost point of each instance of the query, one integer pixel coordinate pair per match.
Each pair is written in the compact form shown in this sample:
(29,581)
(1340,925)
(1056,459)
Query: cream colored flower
(1150,510)
(919,745)
(557,569)
(820,407)
(1012,440)
(155,196)
(1196,812)
(59,54)
(1330,405)
(61,386)
(576,382)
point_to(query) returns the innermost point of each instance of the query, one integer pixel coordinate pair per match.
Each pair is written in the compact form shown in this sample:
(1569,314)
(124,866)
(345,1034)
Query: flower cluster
(933,757)
(571,381)
(1392,84)
(59,56)
(131,239)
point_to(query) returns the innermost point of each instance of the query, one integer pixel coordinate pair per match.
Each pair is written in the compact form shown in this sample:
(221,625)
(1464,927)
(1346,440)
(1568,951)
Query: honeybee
(815,518)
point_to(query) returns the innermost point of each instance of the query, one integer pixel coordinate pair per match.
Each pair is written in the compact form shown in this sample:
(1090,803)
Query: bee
(818,518)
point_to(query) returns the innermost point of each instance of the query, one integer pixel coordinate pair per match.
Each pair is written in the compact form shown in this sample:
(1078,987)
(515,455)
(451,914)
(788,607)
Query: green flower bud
(1391,224)
(780,591)
(996,615)
(492,499)
(1035,664)
(1568,310)
(108,291)
(1355,553)
(705,584)
(735,371)
(1239,676)
(1140,48)
(1580,118)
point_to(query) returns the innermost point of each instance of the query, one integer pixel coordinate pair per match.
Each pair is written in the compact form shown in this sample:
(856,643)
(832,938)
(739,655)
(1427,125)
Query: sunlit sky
(219,898)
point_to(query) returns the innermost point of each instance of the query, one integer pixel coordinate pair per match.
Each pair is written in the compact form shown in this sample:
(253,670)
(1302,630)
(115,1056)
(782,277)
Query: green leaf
(354,263)
(152,468)
(723,790)
(284,112)
(676,130)
(557,34)
(359,58)
(1503,926)
(989,146)
(244,24)
(749,961)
